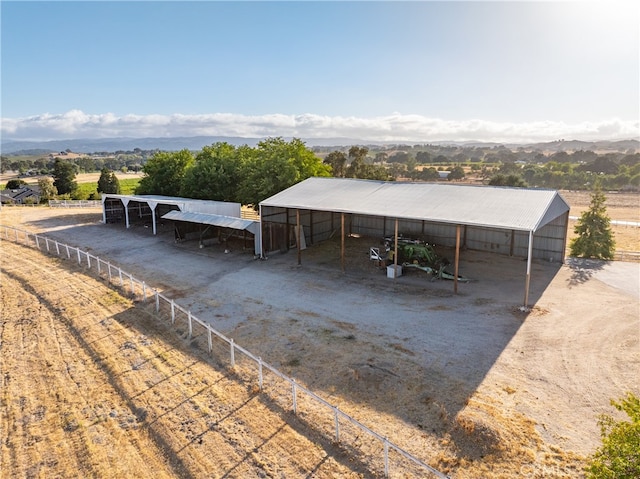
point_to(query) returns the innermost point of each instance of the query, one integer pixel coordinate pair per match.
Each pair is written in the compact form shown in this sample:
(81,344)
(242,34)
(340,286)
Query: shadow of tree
(582,269)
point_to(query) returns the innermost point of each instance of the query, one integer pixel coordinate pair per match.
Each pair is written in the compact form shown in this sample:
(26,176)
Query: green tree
(64,177)
(359,168)
(108,182)
(358,156)
(619,455)
(216,173)
(15,184)
(594,236)
(47,189)
(428,174)
(275,166)
(507,180)
(456,173)
(164,173)
(337,160)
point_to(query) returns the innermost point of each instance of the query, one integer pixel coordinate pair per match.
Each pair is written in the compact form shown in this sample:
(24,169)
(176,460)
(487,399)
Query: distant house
(443,174)
(24,195)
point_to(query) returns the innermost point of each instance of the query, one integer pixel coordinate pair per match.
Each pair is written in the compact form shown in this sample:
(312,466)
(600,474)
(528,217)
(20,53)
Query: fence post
(68,252)
(173,312)
(133,289)
(46,242)
(386,457)
(209,339)
(109,270)
(295,396)
(98,261)
(144,292)
(157,300)
(37,242)
(88,261)
(58,248)
(233,354)
(190,325)
(260,373)
(120,274)
(335,418)
(78,251)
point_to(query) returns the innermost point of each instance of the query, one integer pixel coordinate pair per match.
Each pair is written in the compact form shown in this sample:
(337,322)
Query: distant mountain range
(197,142)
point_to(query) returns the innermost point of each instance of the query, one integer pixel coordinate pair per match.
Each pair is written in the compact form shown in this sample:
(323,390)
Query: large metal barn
(520,222)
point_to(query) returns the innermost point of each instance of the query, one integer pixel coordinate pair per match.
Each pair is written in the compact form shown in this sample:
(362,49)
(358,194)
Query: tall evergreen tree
(595,238)
(108,182)
(64,177)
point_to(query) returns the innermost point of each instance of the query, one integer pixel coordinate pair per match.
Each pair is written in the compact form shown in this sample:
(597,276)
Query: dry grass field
(94,385)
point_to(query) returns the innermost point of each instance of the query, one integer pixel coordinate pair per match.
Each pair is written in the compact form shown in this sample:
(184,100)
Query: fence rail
(74,203)
(335,423)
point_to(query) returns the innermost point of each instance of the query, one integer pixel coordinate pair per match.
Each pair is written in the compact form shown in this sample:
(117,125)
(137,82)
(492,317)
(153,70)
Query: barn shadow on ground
(425,368)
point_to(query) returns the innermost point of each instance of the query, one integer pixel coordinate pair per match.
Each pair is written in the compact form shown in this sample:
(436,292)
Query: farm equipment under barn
(420,255)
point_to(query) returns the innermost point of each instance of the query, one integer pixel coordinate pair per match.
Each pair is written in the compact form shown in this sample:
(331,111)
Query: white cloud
(395,127)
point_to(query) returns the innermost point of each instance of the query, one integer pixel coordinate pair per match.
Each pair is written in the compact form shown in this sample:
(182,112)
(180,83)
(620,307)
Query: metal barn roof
(215,220)
(486,206)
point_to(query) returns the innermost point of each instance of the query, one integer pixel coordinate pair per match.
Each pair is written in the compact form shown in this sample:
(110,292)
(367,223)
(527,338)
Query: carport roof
(215,220)
(485,206)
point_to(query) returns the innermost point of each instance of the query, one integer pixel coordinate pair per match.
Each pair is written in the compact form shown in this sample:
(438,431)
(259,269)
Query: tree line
(224,172)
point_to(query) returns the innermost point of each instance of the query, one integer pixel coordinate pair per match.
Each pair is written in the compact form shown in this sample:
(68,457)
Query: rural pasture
(93,384)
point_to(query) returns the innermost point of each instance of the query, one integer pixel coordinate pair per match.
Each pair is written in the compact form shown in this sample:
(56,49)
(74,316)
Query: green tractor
(420,255)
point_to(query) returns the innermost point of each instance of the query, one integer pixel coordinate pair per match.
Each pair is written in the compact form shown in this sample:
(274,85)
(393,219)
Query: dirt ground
(465,382)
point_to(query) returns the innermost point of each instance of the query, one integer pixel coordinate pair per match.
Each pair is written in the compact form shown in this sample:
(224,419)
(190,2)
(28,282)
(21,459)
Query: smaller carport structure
(492,219)
(148,209)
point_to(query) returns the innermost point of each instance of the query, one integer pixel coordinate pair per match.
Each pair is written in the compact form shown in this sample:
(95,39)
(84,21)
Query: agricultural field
(95,385)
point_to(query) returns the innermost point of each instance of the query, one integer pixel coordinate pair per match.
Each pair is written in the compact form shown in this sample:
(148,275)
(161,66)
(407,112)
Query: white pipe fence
(75,203)
(337,423)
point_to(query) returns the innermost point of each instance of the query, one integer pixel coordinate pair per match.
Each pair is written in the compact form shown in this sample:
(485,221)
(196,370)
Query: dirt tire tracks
(116,394)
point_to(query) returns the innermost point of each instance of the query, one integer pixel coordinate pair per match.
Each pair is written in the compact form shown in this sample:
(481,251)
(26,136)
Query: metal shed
(148,208)
(221,221)
(494,219)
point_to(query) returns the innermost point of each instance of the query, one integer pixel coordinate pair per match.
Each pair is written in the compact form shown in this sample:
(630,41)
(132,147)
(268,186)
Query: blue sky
(406,71)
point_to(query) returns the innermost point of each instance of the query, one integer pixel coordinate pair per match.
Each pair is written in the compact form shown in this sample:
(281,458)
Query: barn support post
(260,236)
(395,249)
(342,241)
(457,260)
(104,210)
(298,241)
(153,217)
(528,277)
(126,212)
